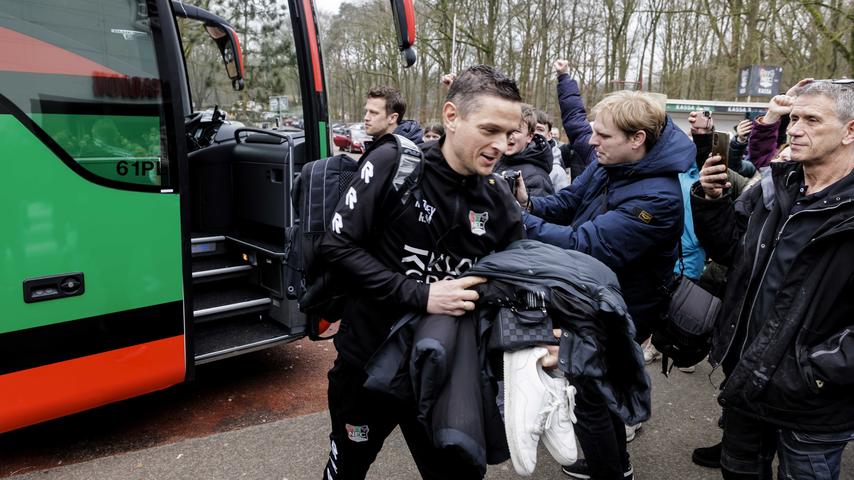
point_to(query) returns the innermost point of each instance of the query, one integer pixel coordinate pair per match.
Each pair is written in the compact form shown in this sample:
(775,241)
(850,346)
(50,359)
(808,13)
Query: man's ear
(450,116)
(848,137)
(638,139)
(394,118)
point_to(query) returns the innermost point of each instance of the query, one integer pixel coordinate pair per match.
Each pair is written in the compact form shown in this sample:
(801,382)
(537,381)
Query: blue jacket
(411,130)
(629,216)
(693,255)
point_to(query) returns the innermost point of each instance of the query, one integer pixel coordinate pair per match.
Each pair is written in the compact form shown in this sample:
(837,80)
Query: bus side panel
(51,391)
(127,244)
(124,335)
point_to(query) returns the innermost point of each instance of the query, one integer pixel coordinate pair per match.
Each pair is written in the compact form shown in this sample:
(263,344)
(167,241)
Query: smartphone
(703,120)
(720,146)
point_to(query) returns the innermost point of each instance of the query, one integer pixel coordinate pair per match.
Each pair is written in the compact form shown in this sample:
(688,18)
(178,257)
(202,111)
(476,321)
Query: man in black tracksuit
(785,334)
(403,257)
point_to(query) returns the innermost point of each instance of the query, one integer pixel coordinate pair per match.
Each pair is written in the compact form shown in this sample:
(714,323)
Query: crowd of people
(769,231)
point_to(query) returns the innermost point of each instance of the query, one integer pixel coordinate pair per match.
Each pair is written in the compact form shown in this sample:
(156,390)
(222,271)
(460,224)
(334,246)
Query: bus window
(85,71)
(271,98)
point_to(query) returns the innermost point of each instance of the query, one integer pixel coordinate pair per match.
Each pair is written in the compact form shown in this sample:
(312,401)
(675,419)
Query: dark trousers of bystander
(749,446)
(600,432)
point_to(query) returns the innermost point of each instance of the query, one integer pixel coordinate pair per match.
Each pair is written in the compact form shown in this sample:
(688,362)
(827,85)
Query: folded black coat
(441,363)
(586,303)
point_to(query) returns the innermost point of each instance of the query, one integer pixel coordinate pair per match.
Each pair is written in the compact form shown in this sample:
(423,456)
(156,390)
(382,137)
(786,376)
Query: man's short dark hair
(544,119)
(393,100)
(481,80)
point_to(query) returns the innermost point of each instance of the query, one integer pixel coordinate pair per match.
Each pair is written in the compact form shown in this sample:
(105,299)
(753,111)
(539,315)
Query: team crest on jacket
(478,222)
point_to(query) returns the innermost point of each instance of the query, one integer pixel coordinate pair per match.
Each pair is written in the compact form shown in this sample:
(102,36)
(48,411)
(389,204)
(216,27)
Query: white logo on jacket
(429,267)
(367,172)
(351,198)
(426,211)
(337,223)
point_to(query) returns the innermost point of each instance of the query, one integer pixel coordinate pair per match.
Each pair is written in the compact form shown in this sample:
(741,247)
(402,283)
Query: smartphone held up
(720,146)
(703,120)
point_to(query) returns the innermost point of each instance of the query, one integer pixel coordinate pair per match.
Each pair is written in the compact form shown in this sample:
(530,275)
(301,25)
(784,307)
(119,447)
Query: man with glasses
(785,333)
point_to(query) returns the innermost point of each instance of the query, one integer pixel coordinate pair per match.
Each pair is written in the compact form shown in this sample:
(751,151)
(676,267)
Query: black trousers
(601,433)
(361,421)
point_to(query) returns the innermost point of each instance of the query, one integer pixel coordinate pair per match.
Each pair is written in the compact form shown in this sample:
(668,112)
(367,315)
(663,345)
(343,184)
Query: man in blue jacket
(625,210)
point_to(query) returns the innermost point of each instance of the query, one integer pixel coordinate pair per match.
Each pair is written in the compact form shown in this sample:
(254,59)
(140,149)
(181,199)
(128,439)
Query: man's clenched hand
(453,297)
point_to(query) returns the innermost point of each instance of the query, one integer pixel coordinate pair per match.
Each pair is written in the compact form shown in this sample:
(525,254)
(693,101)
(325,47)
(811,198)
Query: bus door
(312,77)
(91,278)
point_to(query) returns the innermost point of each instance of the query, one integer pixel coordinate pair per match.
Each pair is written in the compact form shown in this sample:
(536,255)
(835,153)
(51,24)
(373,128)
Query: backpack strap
(408,175)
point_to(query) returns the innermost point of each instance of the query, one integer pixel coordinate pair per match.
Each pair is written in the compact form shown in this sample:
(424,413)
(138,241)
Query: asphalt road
(684,417)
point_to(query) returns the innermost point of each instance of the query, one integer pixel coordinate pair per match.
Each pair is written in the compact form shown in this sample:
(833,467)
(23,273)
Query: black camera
(511,176)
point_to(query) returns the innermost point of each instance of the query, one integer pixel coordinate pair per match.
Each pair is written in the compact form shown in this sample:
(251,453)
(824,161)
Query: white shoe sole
(510,424)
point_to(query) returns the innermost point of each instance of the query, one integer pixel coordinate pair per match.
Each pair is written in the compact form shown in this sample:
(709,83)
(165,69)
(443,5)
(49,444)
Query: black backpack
(685,333)
(321,183)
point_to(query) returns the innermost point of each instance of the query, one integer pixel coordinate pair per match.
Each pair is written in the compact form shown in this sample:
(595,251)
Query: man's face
(543,130)
(377,123)
(475,142)
(816,131)
(519,139)
(612,145)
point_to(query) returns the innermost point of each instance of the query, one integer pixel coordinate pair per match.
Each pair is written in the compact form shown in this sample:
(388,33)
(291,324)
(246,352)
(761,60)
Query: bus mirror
(403,12)
(232,56)
(221,33)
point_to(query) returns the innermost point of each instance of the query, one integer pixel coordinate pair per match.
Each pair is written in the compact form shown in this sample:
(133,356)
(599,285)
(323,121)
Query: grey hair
(842,96)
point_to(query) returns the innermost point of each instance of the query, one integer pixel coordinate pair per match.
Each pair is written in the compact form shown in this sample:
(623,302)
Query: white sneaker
(558,415)
(690,369)
(631,431)
(524,399)
(650,354)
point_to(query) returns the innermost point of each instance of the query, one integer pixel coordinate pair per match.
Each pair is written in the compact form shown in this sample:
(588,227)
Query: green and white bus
(139,238)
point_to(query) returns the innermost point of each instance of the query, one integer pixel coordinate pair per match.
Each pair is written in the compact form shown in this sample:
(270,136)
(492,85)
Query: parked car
(352,141)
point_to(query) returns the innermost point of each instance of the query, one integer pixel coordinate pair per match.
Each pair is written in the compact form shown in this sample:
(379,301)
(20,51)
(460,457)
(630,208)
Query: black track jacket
(391,251)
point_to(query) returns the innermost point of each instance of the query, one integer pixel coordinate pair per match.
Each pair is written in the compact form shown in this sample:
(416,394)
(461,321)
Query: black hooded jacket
(390,251)
(535,162)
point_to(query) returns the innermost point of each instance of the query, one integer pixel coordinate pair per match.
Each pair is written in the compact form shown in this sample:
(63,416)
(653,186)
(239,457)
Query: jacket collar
(788,176)
(434,157)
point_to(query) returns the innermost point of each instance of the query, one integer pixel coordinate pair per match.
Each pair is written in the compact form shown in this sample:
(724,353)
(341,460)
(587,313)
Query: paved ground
(261,387)
(685,415)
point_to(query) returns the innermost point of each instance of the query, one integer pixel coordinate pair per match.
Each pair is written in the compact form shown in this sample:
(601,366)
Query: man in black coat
(405,256)
(530,153)
(785,334)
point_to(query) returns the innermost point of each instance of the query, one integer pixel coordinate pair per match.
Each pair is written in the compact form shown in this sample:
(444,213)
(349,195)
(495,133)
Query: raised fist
(448,79)
(561,66)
